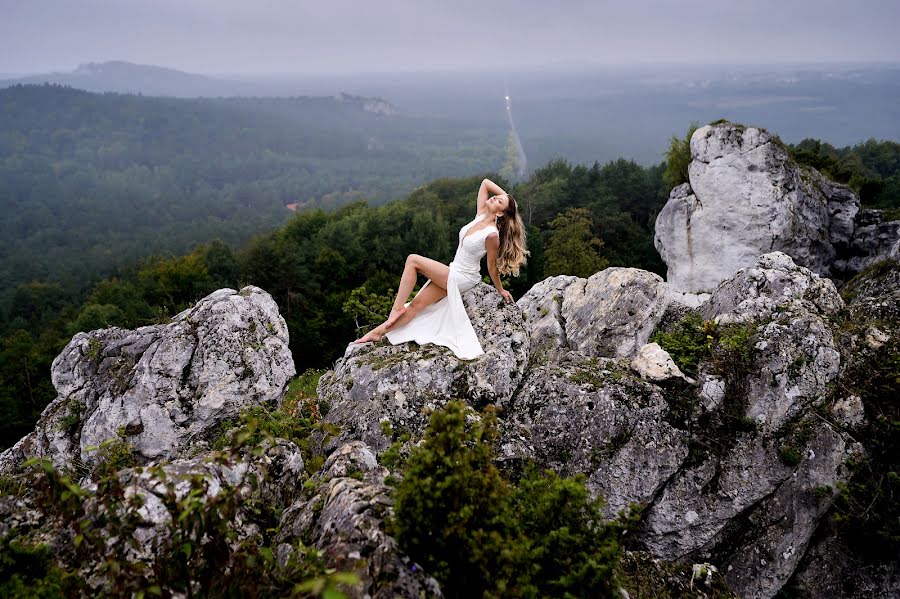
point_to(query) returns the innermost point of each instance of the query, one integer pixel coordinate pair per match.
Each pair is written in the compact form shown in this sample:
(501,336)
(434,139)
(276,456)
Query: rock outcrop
(745,198)
(345,519)
(163,387)
(729,418)
(729,465)
(610,314)
(380,382)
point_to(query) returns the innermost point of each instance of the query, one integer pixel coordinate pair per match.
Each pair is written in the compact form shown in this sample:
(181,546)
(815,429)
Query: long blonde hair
(513,252)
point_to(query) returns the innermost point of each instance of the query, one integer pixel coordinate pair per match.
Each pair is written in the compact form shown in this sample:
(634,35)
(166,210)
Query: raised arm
(492,245)
(487,189)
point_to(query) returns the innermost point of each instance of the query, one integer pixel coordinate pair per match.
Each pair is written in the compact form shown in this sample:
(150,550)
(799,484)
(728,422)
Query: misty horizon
(226,37)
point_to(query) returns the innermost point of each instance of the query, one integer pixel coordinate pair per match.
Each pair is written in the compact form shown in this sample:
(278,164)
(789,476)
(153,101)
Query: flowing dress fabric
(445,322)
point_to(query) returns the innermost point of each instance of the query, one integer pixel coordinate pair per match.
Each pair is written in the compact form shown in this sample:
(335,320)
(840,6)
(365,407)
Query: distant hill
(126,77)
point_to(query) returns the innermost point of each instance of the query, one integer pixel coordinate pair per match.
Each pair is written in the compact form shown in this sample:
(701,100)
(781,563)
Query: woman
(436,314)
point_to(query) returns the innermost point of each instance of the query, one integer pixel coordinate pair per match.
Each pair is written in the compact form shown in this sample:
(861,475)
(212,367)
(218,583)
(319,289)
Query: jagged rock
(831,569)
(542,309)
(272,478)
(345,520)
(162,387)
(399,384)
(591,416)
(642,575)
(745,503)
(746,197)
(872,240)
(772,283)
(610,314)
(654,363)
(875,294)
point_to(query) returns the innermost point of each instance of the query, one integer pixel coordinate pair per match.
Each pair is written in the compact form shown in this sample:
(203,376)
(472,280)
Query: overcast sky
(303,36)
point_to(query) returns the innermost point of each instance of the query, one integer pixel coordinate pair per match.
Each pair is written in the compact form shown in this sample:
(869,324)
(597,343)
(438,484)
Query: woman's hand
(506,294)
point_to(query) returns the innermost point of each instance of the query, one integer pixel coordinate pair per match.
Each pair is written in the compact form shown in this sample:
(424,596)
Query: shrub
(678,157)
(480,535)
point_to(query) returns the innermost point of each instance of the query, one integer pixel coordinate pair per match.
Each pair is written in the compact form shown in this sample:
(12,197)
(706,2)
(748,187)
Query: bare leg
(427,295)
(416,264)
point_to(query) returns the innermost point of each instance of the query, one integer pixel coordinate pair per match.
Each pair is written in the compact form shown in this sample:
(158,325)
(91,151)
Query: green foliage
(367,310)
(724,350)
(199,554)
(688,342)
(97,181)
(572,250)
(29,572)
(867,507)
(871,168)
(678,157)
(482,536)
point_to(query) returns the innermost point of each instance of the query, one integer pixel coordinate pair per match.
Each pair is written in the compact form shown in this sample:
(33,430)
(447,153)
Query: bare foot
(395,315)
(370,336)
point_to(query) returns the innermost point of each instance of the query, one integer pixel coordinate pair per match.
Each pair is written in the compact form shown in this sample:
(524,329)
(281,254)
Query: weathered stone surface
(345,519)
(162,387)
(772,283)
(831,569)
(746,197)
(400,383)
(654,363)
(272,478)
(592,416)
(609,314)
(743,504)
(873,240)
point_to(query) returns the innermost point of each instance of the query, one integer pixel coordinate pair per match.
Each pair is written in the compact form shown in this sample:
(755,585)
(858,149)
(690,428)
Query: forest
(331,269)
(91,182)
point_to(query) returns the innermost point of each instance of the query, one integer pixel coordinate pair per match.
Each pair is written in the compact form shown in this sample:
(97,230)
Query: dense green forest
(333,272)
(90,182)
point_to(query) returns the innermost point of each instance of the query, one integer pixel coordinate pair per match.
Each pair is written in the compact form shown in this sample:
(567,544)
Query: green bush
(28,571)
(480,535)
(199,554)
(678,157)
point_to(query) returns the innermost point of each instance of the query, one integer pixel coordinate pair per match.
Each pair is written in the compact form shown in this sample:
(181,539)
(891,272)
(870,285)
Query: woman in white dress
(436,314)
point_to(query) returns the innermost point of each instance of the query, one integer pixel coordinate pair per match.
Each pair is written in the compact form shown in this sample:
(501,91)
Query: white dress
(445,322)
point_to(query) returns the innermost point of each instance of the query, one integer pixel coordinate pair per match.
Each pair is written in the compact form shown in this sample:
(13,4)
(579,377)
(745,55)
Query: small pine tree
(572,249)
(678,157)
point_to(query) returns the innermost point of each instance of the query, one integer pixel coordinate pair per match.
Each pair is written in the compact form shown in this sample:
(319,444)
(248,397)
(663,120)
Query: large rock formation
(727,469)
(163,387)
(609,314)
(380,382)
(745,198)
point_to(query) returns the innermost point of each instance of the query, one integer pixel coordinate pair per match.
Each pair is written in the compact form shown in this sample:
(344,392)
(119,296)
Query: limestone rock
(345,519)
(162,387)
(654,363)
(609,314)
(772,283)
(399,384)
(591,416)
(831,569)
(873,240)
(747,197)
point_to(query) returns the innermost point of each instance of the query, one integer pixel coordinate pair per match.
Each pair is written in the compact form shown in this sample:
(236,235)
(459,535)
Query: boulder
(610,314)
(345,519)
(164,387)
(771,283)
(593,416)
(399,384)
(746,197)
(654,363)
